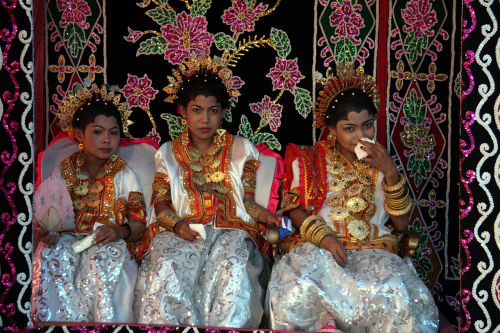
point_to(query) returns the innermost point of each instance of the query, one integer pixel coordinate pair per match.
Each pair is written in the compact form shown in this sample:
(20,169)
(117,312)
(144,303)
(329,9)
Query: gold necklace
(351,189)
(206,172)
(87,190)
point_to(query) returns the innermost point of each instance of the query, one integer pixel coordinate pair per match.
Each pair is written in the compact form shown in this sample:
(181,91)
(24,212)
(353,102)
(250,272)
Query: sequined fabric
(93,286)
(376,292)
(211,282)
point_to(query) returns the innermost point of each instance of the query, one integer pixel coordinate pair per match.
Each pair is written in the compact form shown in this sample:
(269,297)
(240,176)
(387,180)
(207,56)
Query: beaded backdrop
(479,168)
(279,49)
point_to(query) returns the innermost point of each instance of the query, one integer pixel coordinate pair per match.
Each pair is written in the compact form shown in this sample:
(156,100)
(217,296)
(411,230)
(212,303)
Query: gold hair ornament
(346,78)
(202,64)
(88,95)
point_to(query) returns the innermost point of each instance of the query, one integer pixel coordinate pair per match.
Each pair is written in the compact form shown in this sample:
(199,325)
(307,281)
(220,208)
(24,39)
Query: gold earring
(183,121)
(80,146)
(332,137)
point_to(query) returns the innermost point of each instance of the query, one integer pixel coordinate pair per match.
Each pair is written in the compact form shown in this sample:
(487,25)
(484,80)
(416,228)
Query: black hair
(206,84)
(87,113)
(353,99)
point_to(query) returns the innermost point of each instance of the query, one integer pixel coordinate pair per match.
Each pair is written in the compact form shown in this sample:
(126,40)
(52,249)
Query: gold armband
(168,218)
(253,209)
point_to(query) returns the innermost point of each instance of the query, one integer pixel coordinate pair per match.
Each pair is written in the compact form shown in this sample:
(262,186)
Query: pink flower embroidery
(417,14)
(133,36)
(74,11)
(285,74)
(139,92)
(269,112)
(236,84)
(154,136)
(188,38)
(242,18)
(346,21)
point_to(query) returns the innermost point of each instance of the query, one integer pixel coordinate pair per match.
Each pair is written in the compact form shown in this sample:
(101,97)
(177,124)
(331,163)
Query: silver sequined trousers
(211,282)
(92,286)
(376,292)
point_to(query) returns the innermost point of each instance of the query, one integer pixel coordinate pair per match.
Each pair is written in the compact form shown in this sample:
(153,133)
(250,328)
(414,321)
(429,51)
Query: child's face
(101,137)
(350,131)
(204,116)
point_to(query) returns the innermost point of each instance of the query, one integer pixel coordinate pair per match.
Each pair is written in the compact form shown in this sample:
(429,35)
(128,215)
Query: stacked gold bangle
(397,197)
(314,229)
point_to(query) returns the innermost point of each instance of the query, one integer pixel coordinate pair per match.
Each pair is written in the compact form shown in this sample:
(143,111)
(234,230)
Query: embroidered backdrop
(279,50)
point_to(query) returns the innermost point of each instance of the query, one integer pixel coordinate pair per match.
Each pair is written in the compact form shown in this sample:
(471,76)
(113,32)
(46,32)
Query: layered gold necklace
(206,169)
(351,191)
(87,191)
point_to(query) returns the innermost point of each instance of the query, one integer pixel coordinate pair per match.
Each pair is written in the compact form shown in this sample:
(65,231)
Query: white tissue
(86,242)
(199,228)
(360,153)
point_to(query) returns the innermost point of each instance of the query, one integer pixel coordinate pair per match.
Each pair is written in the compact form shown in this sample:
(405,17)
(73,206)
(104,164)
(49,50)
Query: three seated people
(201,250)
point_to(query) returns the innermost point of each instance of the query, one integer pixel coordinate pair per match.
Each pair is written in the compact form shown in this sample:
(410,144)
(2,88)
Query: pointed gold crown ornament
(203,64)
(86,96)
(346,78)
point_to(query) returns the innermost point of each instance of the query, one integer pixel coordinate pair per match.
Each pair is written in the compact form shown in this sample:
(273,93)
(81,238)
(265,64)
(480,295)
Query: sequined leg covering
(375,292)
(97,277)
(230,293)
(54,294)
(167,280)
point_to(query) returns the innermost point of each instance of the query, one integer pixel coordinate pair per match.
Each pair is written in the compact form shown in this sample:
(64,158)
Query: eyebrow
(99,126)
(210,107)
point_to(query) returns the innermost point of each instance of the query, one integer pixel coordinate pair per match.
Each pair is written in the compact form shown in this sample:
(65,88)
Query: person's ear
(182,110)
(78,134)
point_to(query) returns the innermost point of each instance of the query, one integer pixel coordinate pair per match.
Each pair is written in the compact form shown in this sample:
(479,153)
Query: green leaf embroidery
(228,116)
(303,101)
(162,16)
(267,138)
(154,45)
(200,7)
(245,129)
(223,41)
(281,42)
(175,126)
(74,36)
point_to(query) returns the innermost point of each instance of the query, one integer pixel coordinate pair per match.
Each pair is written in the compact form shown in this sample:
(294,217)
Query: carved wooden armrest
(408,243)
(273,238)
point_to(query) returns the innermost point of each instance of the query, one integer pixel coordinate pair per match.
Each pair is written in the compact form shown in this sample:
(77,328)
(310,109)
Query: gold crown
(87,95)
(346,78)
(201,64)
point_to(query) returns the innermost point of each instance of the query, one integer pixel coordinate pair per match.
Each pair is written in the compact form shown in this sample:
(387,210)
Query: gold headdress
(201,64)
(87,95)
(346,78)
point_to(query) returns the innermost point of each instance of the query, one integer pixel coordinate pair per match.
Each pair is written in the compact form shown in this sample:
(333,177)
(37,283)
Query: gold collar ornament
(86,96)
(346,78)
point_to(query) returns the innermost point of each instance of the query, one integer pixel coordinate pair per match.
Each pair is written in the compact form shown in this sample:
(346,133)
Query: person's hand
(379,158)
(48,237)
(332,244)
(267,217)
(183,230)
(106,234)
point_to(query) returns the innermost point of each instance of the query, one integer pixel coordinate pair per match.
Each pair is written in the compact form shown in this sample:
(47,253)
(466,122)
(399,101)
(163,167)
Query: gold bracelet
(323,232)
(399,211)
(396,187)
(397,203)
(398,194)
(253,209)
(168,218)
(305,224)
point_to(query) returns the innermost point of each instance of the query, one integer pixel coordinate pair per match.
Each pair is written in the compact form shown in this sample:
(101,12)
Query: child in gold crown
(341,266)
(72,281)
(203,265)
